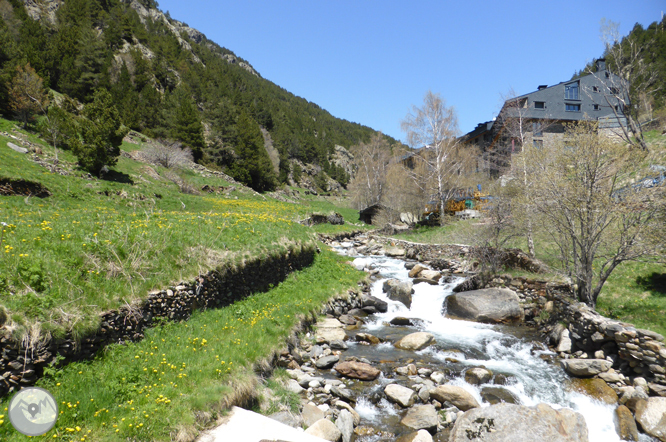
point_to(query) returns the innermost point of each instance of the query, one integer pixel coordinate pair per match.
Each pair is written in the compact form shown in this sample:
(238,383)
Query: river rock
(361,263)
(416,436)
(564,344)
(403,396)
(400,291)
(497,395)
(518,423)
(415,341)
(457,396)
(325,429)
(347,320)
(478,376)
(293,386)
(651,415)
(625,425)
(400,320)
(343,393)
(594,388)
(493,305)
(357,370)
(325,335)
(342,405)
(430,275)
(395,252)
(376,303)
(287,418)
(367,337)
(585,367)
(345,423)
(421,417)
(416,270)
(311,414)
(327,362)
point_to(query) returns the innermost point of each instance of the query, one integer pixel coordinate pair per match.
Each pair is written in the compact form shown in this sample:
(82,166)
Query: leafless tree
(519,133)
(634,78)
(582,186)
(168,154)
(371,160)
(433,129)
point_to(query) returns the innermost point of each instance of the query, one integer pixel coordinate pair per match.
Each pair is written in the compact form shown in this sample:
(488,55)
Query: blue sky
(369,61)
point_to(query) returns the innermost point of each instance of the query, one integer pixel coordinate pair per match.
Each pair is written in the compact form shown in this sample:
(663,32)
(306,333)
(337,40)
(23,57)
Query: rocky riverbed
(392,364)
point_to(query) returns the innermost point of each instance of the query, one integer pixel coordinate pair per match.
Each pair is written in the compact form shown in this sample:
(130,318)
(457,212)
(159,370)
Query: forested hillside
(165,79)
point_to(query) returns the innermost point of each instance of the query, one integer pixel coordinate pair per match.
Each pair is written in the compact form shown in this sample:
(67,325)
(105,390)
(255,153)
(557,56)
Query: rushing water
(502,349)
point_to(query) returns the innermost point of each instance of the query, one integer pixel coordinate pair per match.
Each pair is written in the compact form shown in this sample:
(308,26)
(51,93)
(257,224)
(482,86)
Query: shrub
(168,154)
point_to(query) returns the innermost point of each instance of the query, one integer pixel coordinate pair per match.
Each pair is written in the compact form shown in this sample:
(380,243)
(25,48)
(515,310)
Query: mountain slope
(164,75)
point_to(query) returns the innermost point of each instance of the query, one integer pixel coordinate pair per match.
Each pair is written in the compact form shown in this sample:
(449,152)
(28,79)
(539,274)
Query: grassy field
(182,375)
(97,244)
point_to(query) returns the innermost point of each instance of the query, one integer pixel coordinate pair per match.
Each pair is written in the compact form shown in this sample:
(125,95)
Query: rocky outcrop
(517,423)
(491,305)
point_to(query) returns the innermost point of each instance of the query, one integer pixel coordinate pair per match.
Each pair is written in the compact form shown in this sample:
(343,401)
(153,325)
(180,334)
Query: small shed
(366,215)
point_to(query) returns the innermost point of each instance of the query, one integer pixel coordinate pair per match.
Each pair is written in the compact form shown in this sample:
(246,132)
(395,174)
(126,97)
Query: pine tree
(253,167)
(26,94)
(187,125)
(102,134)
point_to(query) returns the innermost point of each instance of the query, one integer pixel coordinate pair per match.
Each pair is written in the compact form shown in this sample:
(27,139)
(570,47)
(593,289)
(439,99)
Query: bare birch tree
(371,160)
(433,128)
(581,185)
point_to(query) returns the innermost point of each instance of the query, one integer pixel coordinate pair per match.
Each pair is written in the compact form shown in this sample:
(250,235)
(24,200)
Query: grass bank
(96,245)
(177,380)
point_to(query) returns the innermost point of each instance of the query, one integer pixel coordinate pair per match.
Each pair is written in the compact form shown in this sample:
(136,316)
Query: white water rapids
(533,380)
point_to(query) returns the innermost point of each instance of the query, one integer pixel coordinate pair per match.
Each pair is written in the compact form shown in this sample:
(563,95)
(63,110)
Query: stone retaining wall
(551,307)
(23,366)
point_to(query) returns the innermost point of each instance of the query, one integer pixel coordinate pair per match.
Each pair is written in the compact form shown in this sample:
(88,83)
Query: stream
(532,372)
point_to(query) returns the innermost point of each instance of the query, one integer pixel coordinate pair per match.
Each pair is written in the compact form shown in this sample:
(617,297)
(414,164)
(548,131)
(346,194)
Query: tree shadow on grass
(655,282)
(118,177)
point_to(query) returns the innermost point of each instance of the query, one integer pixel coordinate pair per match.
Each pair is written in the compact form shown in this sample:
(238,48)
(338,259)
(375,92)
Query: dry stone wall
(635,352)
(22,366)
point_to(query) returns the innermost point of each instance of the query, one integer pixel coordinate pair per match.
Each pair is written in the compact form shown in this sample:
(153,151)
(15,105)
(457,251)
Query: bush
(168,154)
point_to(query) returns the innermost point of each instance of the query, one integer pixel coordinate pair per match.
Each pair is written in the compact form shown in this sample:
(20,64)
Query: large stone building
(540,116)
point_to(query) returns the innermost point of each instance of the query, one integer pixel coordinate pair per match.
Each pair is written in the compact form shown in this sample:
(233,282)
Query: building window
(572,107)
(571,91)
(537,143)
(539,105)
(614,91)
(596,107)
(536,129)
(595,88)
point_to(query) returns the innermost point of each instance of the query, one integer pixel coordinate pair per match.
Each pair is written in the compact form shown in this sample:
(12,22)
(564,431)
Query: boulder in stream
(416,436)
(415,341)
(478,375)
(625,425)
(421,417)
(376,303)
(493,305)
(403,396)
(357,370)
(325,429)
(497,395)
(595,388)
(651,415)
(457,396)
(518,423)
(585,367)
(400,291)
